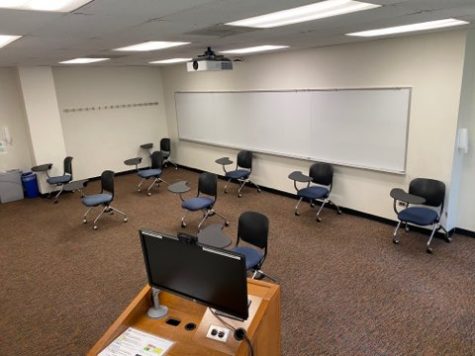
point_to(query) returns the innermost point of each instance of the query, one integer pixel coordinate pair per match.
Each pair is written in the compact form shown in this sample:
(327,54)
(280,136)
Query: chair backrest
(433,191)
(253,228)
(321,173)
(208,184)
(157,160)
(244,159)
(107,182)
(68,165)
(165,144)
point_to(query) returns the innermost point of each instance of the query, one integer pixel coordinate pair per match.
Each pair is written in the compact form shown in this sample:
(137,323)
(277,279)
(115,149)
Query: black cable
(240,330)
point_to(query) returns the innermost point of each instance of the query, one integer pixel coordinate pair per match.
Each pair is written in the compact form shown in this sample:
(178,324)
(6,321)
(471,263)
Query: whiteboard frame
(292,156)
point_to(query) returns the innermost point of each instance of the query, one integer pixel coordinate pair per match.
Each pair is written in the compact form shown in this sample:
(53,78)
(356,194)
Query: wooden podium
(263,324)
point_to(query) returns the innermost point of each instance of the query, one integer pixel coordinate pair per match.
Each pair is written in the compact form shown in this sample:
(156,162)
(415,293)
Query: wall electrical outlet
(218,333)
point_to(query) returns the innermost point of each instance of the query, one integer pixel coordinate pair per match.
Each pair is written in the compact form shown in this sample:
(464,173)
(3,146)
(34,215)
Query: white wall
(12,115)
(432,64)
(464,164)
(103,139)
(44,123)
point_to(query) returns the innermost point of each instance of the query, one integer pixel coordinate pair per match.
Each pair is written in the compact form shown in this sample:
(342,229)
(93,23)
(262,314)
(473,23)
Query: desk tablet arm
(133,162)
(224,161)
(179,188)
(400,195)
(298,176)
(42,168)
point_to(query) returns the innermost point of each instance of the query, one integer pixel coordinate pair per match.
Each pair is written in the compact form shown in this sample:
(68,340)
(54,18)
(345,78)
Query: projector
(209,61)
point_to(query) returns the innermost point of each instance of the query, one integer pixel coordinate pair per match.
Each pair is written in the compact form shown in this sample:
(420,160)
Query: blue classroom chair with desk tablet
(423,206)
(104,198)
(319,183)
(165,148)
(153,173)
(253,229)
(242,172)
(205,198)
(58,181)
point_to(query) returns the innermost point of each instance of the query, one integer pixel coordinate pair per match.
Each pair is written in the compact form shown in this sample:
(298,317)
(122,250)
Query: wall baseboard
(351,211)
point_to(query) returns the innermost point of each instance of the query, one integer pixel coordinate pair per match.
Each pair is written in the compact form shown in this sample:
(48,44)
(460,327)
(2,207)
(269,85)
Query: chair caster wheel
(312,205)
(395,241)
(406,228)
(338,212)
(225,191)
(126,219)
(94,227)
(183,225)
(55,202)
(139,190)
(319,219)
(429,250)
(239,195)
(226,223)
(297,213)
(448,239)
(149,194)
(259,190)
(84,221)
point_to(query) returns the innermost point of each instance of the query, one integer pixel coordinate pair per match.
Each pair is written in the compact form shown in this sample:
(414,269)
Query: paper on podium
(135,342)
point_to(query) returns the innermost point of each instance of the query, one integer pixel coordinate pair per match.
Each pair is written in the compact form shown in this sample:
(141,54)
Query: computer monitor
(212,276)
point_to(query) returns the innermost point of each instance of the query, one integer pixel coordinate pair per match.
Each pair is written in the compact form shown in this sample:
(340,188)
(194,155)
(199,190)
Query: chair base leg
(259,274)
(106,209)
(296,212)
(395,238)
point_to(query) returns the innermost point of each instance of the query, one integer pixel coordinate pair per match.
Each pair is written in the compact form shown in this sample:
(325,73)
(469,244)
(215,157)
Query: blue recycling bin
(30,184)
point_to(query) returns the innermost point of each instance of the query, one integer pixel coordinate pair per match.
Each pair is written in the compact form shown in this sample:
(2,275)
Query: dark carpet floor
(346,289)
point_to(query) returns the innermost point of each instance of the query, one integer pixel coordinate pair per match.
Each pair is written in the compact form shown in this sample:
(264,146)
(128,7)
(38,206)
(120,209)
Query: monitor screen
(212,276)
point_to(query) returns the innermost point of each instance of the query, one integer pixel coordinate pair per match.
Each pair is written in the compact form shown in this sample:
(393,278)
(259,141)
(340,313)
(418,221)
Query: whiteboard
(364,128)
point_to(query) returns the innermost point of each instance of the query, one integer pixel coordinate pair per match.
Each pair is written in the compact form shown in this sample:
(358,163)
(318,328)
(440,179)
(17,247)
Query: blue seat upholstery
(96,199)
(419,215)
(60,179)
(315,192)
(147,173)
(253,256)
(238,174)
(198,203)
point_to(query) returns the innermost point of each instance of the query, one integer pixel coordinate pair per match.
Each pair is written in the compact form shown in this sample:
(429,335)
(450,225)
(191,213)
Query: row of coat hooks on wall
(110,107)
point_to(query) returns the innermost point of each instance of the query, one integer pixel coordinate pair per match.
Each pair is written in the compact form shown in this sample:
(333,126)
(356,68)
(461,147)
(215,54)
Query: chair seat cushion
(59,179)
(96,199)
(253,256)
(198,203)
(313,193)
(238,174)
(148,173)
(419,215)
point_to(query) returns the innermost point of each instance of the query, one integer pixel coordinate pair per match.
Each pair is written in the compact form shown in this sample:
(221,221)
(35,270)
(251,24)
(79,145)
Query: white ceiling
(98,27)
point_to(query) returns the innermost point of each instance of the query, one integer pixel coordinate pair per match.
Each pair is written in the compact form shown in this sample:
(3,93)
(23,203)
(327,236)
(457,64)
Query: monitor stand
(156,311)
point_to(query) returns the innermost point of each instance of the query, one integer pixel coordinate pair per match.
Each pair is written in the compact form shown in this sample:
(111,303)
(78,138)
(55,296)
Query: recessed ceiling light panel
(171,61)
(255,49)
(7,39)
(305,13)
(84,60)
(151,46)
(43,5)
(423,26)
